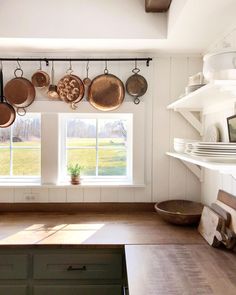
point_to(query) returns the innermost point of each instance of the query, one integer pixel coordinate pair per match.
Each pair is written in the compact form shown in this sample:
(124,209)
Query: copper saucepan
(19,92)
(7,112)
(106,92)
(40,79)
(136,85)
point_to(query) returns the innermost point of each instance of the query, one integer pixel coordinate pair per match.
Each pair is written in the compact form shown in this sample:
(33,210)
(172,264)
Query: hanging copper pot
(7,112)
(106,92)
(40,79)
(19,92)
(136,85)
(71,88)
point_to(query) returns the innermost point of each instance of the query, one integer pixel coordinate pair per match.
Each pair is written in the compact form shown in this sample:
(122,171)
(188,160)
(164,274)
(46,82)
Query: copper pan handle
(21,111)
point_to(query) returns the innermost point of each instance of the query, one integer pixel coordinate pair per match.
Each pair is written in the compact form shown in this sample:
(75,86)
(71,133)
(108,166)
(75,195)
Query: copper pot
(106,92)
(19,92)
(7,112)
(40,79)
(136,85)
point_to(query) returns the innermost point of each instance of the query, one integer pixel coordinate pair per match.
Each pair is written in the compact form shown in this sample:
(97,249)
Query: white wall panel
(6,195)
(165,178)
(74,195)
(92,195)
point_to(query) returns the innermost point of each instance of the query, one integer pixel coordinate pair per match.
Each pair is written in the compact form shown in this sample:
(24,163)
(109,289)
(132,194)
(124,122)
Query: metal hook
(70,70)
(135,64)
(18,63)
(87,66)
(106,70)
(1,64)
(40,65)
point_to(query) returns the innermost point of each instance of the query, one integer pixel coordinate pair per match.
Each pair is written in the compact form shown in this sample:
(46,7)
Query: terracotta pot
(75,180)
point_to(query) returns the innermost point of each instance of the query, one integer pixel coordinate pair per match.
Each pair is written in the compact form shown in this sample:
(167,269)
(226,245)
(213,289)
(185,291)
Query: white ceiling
(110,25)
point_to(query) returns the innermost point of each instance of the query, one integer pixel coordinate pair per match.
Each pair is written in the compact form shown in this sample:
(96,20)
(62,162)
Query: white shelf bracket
(195,169)
(196,123)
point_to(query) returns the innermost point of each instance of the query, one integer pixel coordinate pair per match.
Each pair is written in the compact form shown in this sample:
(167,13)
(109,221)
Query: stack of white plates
(180,144)
(212,151)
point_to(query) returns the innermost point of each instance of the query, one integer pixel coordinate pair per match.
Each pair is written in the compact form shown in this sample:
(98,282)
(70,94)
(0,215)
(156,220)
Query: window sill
(68,185)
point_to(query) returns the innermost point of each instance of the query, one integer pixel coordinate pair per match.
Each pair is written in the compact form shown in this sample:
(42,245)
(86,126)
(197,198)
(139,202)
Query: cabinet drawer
(78,290)
(13,266)
(78,266)
(13,290)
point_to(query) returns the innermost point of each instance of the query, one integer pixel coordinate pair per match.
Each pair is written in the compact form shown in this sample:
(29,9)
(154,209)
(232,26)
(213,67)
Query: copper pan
(71,89)
(19,92)
(40,79)
(136,85)
(7,112)
(106,92)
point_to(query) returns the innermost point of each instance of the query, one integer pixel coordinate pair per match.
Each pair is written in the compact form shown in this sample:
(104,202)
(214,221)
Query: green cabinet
(45,271)
(78,290)
(13,290)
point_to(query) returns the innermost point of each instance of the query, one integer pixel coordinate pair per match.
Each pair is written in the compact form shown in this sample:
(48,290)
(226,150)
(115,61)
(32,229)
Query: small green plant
(74,170)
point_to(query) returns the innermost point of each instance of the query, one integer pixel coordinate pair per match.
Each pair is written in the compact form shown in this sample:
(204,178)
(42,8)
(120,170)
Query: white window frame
(19,179)
(129,156)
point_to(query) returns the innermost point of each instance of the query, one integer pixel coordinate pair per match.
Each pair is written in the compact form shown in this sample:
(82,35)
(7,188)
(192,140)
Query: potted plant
(74,171)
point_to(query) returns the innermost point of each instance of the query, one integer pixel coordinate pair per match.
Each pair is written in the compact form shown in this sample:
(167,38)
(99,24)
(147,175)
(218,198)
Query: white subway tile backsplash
(92,195)
(125,194)
(75,195)
(41,194)
(109,194)
(20,194)
(57,195)
(6,195)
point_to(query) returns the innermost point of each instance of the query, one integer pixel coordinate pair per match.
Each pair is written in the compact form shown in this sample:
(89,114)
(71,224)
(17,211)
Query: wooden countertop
(161,258)
(180,269)
(85,229)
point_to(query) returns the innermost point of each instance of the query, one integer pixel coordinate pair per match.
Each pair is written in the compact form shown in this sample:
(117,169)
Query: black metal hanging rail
(48,59)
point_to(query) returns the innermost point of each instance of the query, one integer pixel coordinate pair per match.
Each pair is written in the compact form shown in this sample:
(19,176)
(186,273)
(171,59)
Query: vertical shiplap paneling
(178,172)
(161,127)
(193,189)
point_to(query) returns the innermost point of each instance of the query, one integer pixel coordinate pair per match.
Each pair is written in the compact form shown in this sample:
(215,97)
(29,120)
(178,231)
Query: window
(100,143)
(20,148)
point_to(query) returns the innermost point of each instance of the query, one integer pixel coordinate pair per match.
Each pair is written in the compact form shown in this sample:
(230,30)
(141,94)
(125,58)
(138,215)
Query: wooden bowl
(181,212)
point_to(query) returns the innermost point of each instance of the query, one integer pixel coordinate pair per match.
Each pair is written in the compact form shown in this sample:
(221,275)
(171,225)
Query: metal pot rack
(48,59)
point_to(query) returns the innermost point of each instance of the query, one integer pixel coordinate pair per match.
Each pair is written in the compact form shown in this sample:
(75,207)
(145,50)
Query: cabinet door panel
(77,266)
(78,290)
(13,266)
(13,290)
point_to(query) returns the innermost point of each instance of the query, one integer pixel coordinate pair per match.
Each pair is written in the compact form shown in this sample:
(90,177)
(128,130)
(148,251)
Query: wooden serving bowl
(181,212)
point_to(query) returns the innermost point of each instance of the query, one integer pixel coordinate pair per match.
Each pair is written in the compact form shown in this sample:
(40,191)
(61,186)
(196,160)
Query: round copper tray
(106,92)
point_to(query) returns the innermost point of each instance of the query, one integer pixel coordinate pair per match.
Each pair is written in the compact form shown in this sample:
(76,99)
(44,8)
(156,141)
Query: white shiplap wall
(165,178)
(213,181)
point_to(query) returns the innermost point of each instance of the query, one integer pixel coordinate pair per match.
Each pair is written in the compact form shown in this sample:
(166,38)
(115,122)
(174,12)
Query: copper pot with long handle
(19,92)
(106,92)
(7,112)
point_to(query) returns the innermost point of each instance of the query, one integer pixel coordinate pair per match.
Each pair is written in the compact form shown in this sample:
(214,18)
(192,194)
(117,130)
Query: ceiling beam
(157,5)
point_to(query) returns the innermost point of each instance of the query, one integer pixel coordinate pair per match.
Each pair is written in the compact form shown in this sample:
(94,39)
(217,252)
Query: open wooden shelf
(207,98)
(227,168)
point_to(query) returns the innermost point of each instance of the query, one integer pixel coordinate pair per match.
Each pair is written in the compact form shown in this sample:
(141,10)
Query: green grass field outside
(111,157)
